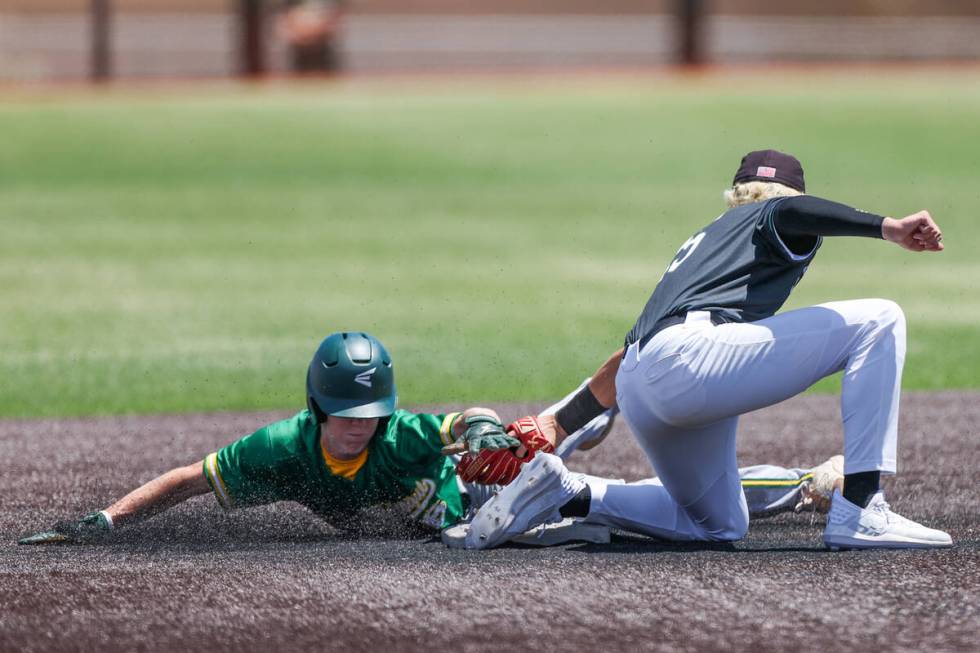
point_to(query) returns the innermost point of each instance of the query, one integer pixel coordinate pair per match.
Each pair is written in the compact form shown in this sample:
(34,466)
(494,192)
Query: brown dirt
(199,579)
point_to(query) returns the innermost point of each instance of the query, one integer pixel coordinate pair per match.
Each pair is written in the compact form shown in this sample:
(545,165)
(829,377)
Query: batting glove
(90,528)
(486,432)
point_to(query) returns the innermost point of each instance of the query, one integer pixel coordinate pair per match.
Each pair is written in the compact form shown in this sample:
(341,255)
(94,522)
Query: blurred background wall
(52,39)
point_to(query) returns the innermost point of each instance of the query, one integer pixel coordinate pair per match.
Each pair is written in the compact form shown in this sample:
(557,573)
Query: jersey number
(685,251)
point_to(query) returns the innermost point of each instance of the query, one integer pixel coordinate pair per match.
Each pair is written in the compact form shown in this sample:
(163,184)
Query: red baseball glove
(501,466)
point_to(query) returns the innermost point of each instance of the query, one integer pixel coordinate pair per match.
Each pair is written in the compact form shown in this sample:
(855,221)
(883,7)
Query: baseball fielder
(709,347)
(352,449)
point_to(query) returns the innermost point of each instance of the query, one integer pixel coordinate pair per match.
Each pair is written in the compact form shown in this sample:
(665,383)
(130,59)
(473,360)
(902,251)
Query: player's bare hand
(917,232)
(551,430)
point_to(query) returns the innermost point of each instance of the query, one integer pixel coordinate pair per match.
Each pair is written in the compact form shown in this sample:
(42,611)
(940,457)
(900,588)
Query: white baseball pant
(682,394)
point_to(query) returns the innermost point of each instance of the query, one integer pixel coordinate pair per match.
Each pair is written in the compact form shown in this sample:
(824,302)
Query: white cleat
(817,491)
(852,527)
(531,499)
(563,532)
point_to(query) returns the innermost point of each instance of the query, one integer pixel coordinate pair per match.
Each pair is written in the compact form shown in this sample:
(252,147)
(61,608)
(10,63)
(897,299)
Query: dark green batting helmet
(351,376)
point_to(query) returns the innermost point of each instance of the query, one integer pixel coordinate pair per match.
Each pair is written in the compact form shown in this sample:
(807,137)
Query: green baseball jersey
(285,461)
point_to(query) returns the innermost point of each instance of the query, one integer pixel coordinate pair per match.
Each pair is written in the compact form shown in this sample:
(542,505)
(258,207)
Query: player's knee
(892,313)
(884,317)
(886,313)
(729,527)
(734,528)
(733,534)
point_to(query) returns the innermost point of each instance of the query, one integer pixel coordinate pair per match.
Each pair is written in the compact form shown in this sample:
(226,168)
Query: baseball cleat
(563,532)
(567,530)
(816,492)
(531,499)
(852,527)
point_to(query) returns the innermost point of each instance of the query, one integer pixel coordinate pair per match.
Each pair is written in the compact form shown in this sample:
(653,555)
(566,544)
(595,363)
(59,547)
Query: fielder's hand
(917,232)
(90,528)
(500,467)
(482,432)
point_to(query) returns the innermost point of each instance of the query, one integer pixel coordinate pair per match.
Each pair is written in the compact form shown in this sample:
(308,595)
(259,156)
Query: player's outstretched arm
(801,219)
(163,492)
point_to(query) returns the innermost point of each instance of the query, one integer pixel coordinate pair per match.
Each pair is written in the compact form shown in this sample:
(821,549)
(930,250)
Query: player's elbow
(189,480)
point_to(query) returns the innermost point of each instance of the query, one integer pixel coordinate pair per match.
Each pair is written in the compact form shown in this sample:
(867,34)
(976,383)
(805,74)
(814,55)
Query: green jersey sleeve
(259,468)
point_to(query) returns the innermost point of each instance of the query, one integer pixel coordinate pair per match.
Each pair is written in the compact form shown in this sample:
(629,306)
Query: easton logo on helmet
(350,375)
(364,378)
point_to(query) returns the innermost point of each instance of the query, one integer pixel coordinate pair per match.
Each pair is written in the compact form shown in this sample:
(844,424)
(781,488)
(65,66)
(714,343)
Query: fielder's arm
(161,493)
(594,399)
(473,434)
(801,219)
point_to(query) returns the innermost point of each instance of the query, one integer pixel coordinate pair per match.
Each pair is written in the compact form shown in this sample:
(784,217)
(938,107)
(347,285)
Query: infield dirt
(201,579)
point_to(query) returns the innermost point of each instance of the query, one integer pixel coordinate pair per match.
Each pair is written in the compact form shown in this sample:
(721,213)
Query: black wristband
(579,411)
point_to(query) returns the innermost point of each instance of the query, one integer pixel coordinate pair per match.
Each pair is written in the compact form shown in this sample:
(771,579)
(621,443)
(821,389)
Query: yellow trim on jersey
(344,468)
(218,486)
(446,430)
(770,482)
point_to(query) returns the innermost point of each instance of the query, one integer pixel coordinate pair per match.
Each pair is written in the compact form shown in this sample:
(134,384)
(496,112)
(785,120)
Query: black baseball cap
(771,165)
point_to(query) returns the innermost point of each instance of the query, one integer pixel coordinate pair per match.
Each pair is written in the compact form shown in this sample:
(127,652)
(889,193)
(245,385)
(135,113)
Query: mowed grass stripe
(182,254)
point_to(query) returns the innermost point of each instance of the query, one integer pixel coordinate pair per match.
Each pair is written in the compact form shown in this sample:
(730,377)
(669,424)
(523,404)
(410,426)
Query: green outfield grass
(188,251)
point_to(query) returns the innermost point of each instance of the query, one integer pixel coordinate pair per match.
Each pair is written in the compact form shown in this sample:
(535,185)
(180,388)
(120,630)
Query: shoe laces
(883,508)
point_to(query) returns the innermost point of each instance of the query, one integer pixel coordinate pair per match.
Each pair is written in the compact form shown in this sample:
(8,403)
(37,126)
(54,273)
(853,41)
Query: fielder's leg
(697,495)
(682,393)
(731,369)
(696,376)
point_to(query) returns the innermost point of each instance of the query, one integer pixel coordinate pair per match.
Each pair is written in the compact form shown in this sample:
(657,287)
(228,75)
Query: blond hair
(756,191)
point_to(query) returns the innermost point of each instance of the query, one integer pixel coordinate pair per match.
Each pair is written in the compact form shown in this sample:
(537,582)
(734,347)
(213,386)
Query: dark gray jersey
(737,267)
